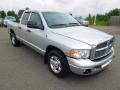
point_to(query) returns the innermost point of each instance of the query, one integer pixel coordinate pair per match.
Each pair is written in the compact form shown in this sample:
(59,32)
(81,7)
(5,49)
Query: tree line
(103,19)
(3,14)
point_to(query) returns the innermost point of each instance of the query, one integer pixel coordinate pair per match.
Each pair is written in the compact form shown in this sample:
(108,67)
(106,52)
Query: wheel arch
(11,30)
(48,49)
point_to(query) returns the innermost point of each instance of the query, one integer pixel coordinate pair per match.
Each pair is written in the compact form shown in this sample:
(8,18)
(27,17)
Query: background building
(115,20)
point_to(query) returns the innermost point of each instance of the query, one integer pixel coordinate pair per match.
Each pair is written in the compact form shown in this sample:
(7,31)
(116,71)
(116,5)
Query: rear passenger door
(23,25)
(36,36)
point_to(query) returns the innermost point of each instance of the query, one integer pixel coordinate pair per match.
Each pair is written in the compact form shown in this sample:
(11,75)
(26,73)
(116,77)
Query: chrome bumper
(87,66)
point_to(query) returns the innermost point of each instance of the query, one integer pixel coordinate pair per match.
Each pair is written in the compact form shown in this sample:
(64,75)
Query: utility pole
(96,8)
(95,19)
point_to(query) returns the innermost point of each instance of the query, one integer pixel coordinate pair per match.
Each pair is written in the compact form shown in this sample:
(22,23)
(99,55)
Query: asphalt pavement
(21,68)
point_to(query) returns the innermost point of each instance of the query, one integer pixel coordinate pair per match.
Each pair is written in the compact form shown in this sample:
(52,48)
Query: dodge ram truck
(66,45)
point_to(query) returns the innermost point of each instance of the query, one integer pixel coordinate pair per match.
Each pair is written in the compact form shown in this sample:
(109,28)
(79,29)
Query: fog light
(87,71)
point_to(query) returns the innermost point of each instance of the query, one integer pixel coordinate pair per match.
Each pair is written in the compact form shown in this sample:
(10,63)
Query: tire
(5,26)
(14,40)
(57,63)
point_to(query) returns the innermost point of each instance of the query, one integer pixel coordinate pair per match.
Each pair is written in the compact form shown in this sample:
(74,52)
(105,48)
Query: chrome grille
(103,49)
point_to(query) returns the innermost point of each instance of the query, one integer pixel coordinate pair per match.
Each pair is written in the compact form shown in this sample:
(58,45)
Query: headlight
(79,54)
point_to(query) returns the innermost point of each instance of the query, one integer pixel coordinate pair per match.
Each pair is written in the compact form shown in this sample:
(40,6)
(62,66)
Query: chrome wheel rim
(55,64)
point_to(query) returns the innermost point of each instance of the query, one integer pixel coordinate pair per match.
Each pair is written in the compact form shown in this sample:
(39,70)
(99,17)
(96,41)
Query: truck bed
(12,26)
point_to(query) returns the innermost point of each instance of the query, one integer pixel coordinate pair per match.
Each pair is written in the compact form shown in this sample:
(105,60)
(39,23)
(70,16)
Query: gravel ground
(23,69)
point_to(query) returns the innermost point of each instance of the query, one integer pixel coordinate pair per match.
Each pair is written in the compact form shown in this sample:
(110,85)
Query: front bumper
(88,67)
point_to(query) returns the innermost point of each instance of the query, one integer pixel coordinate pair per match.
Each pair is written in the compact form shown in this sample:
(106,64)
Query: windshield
(58,20)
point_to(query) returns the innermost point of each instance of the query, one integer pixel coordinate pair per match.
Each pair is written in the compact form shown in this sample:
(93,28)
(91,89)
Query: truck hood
(84,34)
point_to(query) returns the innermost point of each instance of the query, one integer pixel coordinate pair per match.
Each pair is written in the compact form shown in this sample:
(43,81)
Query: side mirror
(33,24)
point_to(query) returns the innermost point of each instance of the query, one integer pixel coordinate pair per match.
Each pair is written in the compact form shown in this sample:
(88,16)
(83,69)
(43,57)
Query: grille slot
(103,49)
(104,44)
(105,56)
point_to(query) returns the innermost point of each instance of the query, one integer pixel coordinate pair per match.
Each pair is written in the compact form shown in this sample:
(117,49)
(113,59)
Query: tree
(90,19)
(20,12)
(2,14)
(80,17)
(114,12)
(11,13)
(27,8)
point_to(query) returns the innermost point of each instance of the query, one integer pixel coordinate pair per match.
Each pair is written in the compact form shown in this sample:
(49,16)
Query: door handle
(28,30)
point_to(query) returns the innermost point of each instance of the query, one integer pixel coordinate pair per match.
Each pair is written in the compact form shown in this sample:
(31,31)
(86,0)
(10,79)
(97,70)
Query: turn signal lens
(72,53)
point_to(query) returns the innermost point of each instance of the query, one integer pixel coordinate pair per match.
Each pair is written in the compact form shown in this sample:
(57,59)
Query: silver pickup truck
(66,45)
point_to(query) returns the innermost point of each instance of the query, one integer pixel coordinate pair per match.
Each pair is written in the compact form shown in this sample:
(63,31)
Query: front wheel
(57,63)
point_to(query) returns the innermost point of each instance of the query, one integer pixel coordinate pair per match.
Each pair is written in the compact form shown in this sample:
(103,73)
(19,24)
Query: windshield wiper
(64,25)
(58,25)
(74,24)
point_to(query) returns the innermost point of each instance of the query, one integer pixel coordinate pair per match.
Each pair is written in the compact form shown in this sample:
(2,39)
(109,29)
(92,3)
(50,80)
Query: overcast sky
(77,7)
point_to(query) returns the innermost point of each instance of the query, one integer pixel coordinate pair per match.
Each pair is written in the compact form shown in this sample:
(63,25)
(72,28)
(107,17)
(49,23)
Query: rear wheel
(14,40)
(57,63)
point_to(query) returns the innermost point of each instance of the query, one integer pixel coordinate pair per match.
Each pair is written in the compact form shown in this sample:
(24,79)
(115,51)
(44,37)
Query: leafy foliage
(2,14)
(114,12)
(103,19)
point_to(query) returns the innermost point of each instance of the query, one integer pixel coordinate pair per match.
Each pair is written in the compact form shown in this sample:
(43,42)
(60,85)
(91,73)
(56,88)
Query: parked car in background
(84,23)
(8,18)
(1,22)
